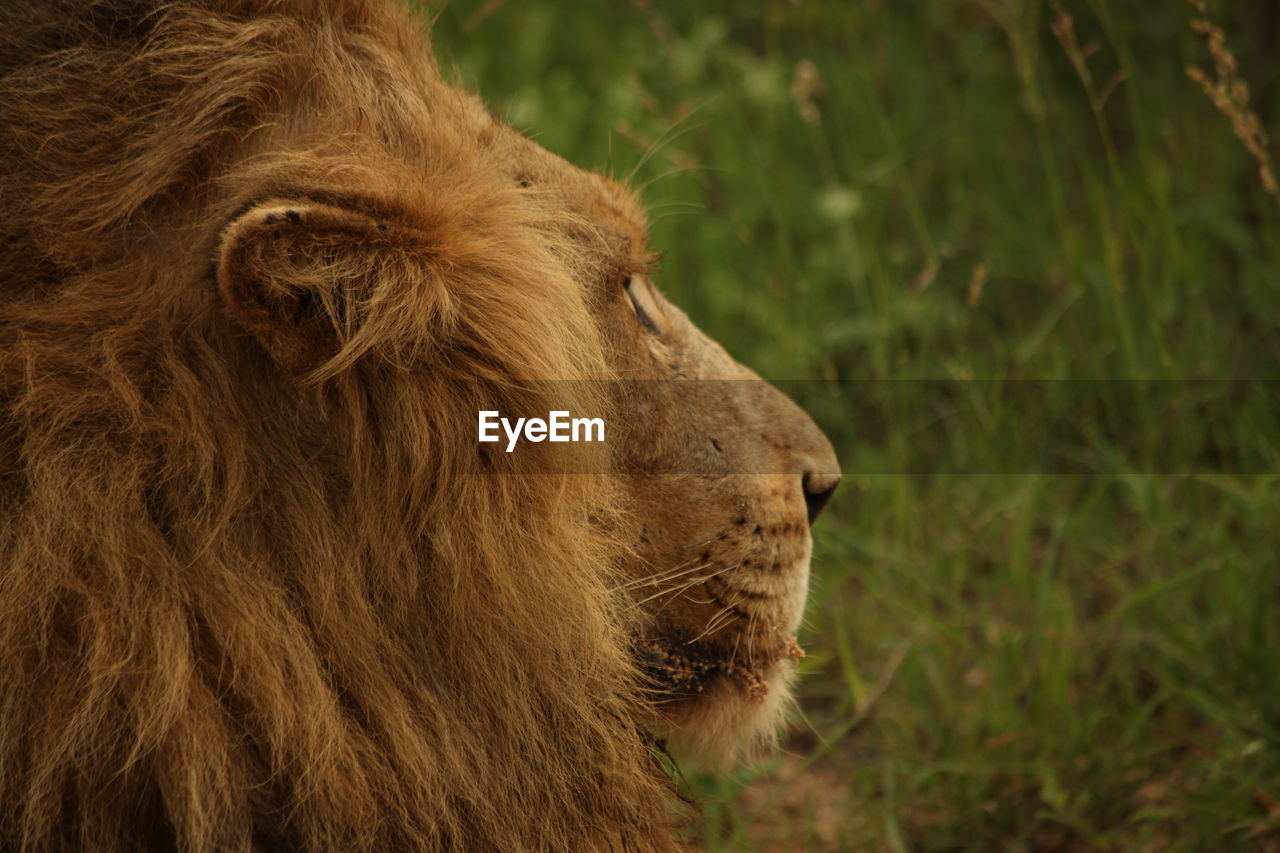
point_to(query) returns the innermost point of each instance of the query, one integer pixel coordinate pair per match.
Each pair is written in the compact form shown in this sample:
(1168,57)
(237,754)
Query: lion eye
(634,294)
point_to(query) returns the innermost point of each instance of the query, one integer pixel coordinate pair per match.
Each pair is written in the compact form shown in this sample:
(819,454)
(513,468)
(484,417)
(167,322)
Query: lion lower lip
(686,669)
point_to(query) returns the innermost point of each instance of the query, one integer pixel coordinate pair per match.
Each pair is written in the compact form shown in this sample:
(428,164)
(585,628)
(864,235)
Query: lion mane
(258,588)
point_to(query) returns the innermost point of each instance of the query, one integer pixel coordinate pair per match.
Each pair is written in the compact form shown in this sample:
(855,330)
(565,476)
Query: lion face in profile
(732,474)
(728,533)
(260,586)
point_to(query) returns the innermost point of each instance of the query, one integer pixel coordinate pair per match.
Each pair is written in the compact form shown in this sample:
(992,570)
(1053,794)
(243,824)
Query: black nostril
(818,489)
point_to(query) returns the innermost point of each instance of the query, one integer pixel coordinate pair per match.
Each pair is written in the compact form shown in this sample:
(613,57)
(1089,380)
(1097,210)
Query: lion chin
(721,713)
(263,588)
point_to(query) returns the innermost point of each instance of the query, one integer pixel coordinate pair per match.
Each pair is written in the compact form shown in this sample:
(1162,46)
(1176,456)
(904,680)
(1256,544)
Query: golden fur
(259,268)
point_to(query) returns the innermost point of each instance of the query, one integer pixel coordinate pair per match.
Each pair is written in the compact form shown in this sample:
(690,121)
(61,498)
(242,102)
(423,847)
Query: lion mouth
(681,670)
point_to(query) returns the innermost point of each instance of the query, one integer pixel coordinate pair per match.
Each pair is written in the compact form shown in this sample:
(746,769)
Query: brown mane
(240,610)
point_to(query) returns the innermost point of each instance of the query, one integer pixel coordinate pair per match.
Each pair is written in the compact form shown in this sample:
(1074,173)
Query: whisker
(674,590)
(691,205)
(707,629)
(737,641)
(667,137)
(678,571)
(715,538)
(715,623)
(699,579)
(675,170)
(671,213)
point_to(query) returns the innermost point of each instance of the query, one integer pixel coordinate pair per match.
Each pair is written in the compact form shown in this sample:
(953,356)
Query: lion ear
(293,274)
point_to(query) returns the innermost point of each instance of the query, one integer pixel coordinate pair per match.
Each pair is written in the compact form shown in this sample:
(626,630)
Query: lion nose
(818,489)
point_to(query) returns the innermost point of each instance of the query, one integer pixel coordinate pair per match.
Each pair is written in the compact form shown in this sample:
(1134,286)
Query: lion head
(260,585)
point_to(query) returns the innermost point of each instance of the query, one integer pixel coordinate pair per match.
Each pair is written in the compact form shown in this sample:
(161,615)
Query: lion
(260,586)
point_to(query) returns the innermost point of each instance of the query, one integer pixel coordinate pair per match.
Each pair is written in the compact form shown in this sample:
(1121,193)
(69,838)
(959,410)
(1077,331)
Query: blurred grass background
(954,190)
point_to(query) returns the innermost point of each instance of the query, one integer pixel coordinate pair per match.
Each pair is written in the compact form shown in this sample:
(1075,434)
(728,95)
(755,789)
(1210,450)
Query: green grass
(1002,655)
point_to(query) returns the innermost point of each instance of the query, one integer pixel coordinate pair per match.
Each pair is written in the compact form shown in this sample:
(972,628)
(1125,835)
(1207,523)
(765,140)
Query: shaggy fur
(257,590)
